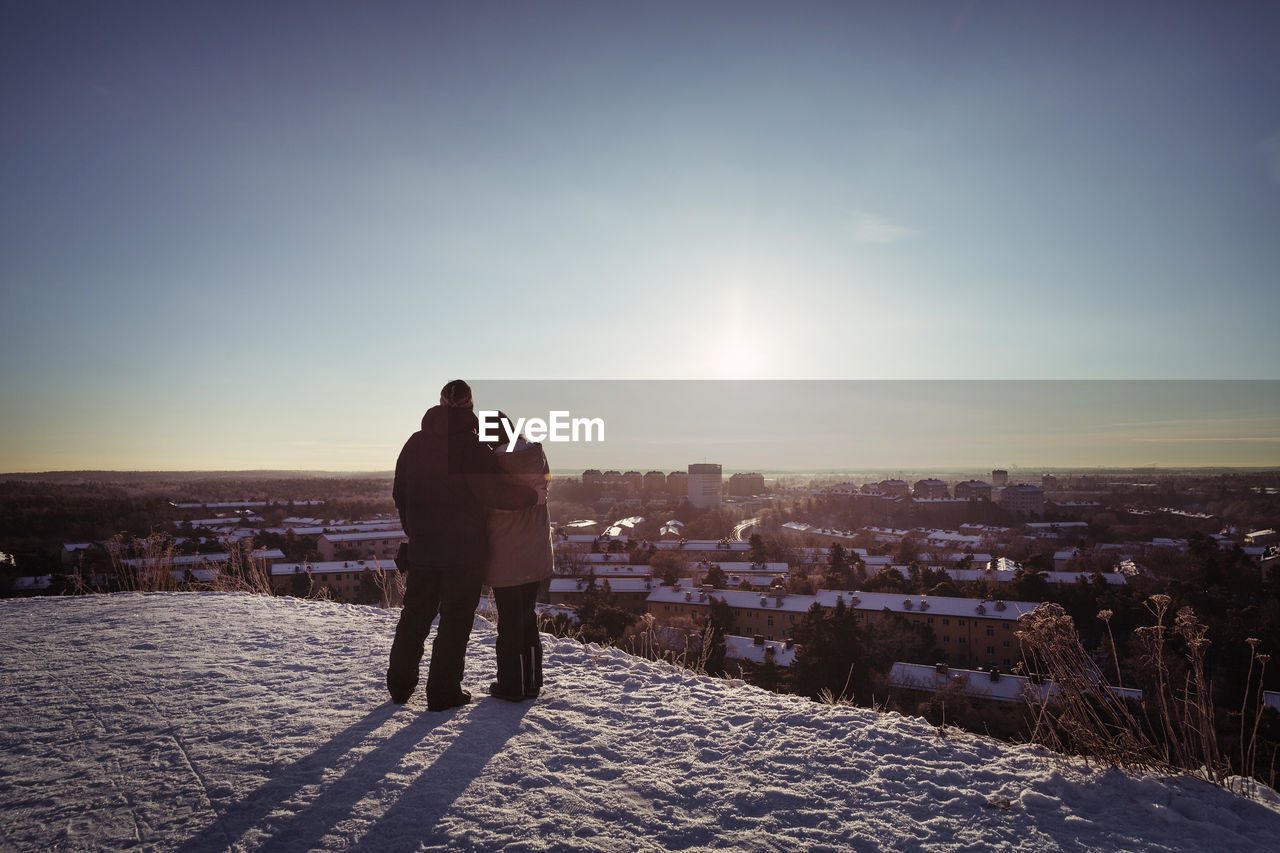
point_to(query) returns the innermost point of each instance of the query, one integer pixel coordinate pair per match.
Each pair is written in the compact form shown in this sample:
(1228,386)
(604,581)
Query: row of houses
(968,538)
(184,568)
(971,631)
(989,684)
(364,545)
(340,580)
(266,557)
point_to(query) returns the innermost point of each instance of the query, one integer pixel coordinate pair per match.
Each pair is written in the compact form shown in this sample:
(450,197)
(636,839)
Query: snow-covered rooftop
(365,535)
(30,583)
(732,597)
(602,570)
(220,521)
(930,604)
(331,566)
(1008,575)
(622,584)
(874,601)
(1001,687)
(746,648)
(744,568)
(576,539)
(189,560)
(621,558)
(954,557)
(703,545)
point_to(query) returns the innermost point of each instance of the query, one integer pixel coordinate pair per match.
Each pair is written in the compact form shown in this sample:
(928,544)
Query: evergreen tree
(888,579)
(935,582)
(719,622)
(830,655)
(1030,584)
(300,584)
(840,574)
(798,582)
(368,592)
(768,674)
(601,619)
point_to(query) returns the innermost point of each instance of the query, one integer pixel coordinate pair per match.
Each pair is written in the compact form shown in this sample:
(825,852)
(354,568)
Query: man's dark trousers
(452,592)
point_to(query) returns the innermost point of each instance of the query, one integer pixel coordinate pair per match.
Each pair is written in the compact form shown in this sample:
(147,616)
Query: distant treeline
(37,517)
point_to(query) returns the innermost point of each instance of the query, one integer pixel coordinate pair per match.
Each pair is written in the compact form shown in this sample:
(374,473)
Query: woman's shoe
(496,691)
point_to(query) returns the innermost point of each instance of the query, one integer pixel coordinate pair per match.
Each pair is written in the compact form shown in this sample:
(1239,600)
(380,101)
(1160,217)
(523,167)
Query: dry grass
(142,565)
(1249,749)
(826,697)
(390,583)
(243,572)
(682,645)
(1172,729)
(148,565)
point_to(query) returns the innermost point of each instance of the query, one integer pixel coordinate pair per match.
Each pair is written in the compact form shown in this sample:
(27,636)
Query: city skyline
(263,237)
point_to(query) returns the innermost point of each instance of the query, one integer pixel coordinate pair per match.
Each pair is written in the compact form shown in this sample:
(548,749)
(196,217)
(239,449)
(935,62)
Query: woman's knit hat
(456,395)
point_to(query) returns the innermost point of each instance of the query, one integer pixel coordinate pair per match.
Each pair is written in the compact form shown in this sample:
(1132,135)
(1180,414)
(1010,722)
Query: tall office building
(706,485)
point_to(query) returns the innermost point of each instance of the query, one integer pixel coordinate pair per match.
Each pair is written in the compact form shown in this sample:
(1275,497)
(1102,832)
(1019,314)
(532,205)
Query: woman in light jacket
(520,559)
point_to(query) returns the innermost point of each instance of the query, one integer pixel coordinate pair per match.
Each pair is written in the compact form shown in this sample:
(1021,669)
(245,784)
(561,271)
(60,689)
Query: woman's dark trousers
(453,593)
(519,644)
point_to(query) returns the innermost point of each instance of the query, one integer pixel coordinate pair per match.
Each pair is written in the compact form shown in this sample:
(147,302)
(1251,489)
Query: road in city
(739,531)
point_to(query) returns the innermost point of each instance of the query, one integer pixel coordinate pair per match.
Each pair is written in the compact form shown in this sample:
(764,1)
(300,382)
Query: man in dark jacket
(445,478)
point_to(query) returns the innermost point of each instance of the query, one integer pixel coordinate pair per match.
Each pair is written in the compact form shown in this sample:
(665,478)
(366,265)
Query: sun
(735,359)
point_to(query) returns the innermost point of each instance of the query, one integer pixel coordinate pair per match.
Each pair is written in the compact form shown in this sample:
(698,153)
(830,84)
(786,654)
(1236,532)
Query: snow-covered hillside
(215,721)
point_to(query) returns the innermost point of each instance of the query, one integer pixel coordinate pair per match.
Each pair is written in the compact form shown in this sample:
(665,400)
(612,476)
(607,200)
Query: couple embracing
(475,514)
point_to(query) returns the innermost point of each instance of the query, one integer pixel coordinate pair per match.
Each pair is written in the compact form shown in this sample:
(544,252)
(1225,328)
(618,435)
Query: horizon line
(565,471)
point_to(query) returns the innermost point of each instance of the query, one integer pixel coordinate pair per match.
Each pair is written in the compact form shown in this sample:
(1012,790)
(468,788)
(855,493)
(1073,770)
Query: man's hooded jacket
(445,478)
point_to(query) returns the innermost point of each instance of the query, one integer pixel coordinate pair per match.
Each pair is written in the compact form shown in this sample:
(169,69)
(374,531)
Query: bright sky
(263,235)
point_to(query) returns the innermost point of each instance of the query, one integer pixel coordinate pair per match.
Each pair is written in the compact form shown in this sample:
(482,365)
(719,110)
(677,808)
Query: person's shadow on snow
(265,812)
(415,815)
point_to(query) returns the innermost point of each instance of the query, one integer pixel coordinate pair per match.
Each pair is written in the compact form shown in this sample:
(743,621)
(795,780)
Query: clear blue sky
(264,234)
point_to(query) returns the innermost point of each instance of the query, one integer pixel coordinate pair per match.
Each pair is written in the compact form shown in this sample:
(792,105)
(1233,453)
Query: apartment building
(746,485)
(970,631)
(341,580)
(1023,500)
(364,545)
(931,489)
(629,593)
(972,489)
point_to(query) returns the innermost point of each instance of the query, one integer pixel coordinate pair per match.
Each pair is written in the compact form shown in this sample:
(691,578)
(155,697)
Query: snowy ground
(200,722)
